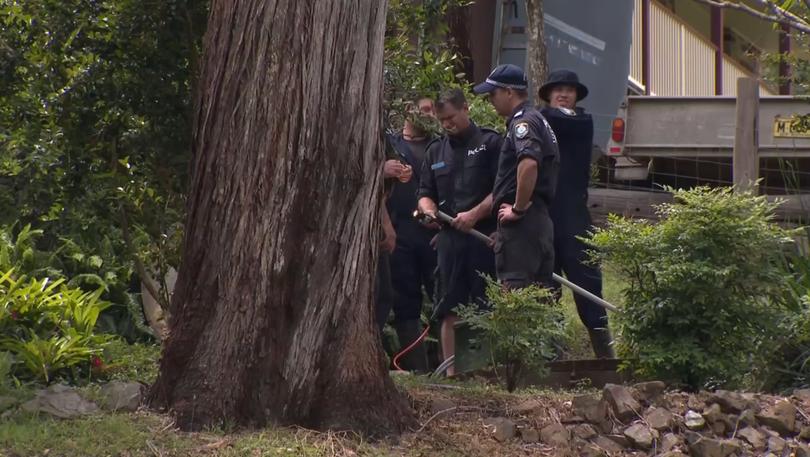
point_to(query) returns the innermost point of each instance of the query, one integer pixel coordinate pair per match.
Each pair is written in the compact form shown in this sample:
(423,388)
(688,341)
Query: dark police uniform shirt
(528,135)
(574,133)
(459,171)
(402,202)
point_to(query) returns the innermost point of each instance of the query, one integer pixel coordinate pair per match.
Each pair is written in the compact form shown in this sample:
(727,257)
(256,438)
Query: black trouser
(412,265)
(462,261)
(524,249)
(571,258)
(383,292)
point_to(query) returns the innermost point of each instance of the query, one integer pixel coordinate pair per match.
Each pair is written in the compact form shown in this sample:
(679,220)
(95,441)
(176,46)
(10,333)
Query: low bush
(48,328)
(523,329)
(706,286)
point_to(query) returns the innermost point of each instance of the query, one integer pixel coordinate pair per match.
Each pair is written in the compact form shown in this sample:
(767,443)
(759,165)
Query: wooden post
(717,41)
(746,138)
(646,61)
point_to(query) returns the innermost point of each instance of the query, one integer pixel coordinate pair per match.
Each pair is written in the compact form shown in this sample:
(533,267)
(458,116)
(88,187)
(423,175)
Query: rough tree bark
(272,316)
(536,60)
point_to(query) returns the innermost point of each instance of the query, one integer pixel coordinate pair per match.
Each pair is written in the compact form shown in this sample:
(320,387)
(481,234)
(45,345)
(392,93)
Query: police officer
(569,211)
(394,171)
(413,261)
(525,184)
(457,178)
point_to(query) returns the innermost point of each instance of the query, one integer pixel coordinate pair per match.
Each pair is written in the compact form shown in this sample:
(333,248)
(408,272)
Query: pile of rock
(646,420)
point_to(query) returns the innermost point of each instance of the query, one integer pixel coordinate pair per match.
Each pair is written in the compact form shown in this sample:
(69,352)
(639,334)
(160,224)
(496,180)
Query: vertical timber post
(746,138)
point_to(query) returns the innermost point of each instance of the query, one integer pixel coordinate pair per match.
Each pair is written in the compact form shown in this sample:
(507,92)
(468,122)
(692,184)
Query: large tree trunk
(272,317)
(536,59)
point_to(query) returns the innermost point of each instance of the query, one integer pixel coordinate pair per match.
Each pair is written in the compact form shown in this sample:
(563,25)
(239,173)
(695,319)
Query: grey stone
(753,436)
(692,437)
(708,447)
(59,401)
(694,421)
(649,392)
(608,444)
(529,435)
(781,417)
(555,435)
(748,417)
(606,427)
(673,454)
(732,402)
(621,440)
(438,405)
(571,419)
(713,414)
(734,445)
(529,406)
(804,434)
(693,403)
(577,443)
(659,419)
(592,450)
(802,395)
(719,428)
(502,429)
(590,407)
(121,396)
(769,432)
(584,431)
(802,450)
(670,441)
(59,388)
(641,436)
(776,444)
(625,407)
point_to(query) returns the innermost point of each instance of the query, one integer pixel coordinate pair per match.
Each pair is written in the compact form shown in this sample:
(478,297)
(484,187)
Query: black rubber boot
(602,343)
(416,358)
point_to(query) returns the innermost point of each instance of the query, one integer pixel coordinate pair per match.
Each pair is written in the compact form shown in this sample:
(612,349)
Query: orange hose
(410,348)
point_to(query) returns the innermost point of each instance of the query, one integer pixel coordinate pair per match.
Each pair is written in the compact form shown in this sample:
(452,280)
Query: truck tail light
(617,134)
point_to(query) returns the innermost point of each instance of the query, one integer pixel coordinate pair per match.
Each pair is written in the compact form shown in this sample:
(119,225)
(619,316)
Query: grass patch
(131,362)
(146,434)
(579,344)
(100,435)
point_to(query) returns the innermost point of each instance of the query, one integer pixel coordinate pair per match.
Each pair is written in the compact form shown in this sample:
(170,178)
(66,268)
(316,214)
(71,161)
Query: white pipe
(575,288)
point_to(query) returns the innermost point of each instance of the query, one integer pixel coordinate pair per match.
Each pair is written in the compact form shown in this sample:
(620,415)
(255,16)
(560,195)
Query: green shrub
(705,286)
(521,328)
(6,362)
(48,327)
(789,367)
(31,255)
(130,362)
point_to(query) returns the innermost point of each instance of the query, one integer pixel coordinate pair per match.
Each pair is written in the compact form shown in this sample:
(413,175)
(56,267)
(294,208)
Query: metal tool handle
(444,217)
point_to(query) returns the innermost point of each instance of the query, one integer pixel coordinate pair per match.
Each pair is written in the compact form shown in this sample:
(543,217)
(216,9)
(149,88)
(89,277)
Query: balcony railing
(681,60)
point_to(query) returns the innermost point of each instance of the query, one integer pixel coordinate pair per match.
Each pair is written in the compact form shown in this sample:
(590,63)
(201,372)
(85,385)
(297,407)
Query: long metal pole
(444,217)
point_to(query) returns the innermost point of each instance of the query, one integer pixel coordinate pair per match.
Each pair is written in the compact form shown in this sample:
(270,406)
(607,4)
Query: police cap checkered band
(506,86)
(505,76)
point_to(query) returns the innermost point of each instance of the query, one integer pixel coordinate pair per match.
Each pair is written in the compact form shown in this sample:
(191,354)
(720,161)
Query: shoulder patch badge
(521,130)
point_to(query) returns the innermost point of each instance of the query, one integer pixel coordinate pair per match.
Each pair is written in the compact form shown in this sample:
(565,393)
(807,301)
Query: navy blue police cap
(505,76)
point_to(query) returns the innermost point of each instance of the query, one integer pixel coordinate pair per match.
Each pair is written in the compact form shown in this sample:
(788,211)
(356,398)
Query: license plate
(797,126)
